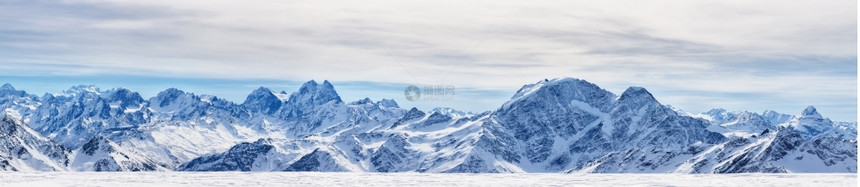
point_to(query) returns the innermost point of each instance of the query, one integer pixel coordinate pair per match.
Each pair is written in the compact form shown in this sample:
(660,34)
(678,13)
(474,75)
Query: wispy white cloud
(797,52)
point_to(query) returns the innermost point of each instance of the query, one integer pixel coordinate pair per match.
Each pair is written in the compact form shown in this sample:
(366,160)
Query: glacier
(562,125)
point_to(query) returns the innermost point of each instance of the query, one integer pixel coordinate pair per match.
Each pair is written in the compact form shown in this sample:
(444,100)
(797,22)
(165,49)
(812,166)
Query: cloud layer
(694,55)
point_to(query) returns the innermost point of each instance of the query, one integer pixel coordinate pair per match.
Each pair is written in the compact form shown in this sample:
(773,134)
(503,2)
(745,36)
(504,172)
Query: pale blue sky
(694,55)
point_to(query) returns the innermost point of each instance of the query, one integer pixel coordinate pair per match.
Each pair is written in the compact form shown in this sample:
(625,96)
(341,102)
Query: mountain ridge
(558,125)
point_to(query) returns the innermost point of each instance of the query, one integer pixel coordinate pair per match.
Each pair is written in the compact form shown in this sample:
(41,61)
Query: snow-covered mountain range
(558,125)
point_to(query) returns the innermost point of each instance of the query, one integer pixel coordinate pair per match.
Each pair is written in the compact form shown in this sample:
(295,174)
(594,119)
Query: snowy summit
(563,125)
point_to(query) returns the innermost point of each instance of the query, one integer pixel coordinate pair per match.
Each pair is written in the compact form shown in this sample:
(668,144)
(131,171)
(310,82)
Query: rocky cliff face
(101,154)
(23,149)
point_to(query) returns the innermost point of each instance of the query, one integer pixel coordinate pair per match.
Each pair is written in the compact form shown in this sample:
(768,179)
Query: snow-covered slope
(23,149)
(75,116)
(781,151)
(808,123)
(553,125)
(318,160)
(101,154)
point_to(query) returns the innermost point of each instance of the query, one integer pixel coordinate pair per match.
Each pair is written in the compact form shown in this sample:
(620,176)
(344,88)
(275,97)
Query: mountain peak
(262,100)
(8,118)
(315,94)
(810,123)
(8,126)
(412,114)
(125,96)
(562,90)
(313,85)
(262,90)
(769,112)
(810,112)
(310,84)
(361,101)
(774,117)
(170,92)
(168,96)
(450,111)
(8,87)
(636,91)
(121,90)
(85,88)
(82,90)
(531,88)
(97,143)
(260,93)
(388,103)
(638,96)
(716,111)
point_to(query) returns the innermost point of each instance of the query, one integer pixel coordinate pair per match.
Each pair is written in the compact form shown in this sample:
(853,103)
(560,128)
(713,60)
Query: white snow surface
(414,179)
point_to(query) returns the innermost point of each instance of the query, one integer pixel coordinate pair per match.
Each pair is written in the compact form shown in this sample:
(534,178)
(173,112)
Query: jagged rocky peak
(361,101)
(80,91)
(638,97)
(810,112)
(550,126)
(83,89)
(97,143)
(809,123)
(677,110)
(785,139)
(748,116)
(261,92)
(717,112)
(764,132)
(8,125)
(770,112)
(102,154)
(414,113)
(562,90)
(318,160)
(167,97)
(125,96)
(7,86)
(811,117)
(22,149)
(775,118)
(262,100)
(170,93)
(7,90)
(771,118)
(264,141)
(451,112)
(312,93)
(240,157)
(388,103)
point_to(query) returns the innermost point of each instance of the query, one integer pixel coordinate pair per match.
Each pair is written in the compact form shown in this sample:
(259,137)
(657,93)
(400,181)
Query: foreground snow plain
(127,179)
